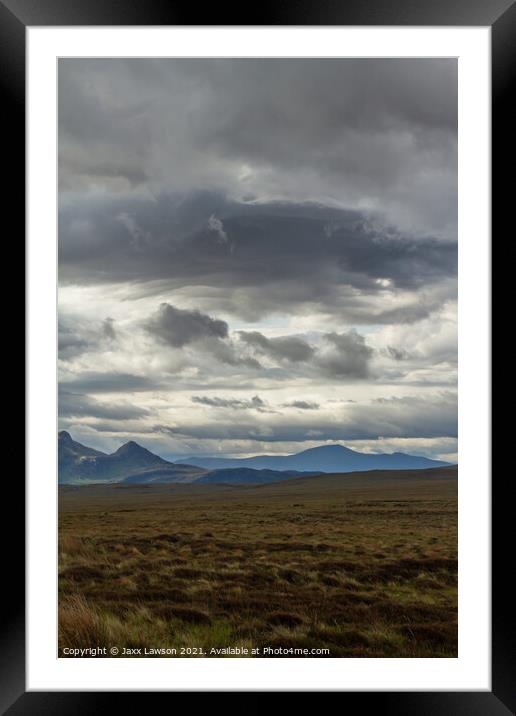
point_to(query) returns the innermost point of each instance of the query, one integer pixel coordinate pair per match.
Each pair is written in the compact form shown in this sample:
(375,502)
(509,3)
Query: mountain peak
(328,449)
(130,447)
(63,435)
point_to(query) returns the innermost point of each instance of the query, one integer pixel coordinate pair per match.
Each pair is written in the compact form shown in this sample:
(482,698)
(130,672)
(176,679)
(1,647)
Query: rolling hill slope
(248,476)
(134,464)
(79,463)
(326,458)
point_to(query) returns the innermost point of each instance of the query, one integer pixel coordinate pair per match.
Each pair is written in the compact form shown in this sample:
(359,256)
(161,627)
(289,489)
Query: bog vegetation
(363,565)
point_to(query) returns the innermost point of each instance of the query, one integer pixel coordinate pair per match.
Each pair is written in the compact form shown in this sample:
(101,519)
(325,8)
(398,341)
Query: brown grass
(367,570)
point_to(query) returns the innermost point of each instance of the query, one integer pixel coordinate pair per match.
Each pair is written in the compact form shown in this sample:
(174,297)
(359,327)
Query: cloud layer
(379,134)
(258,255)
(274,256)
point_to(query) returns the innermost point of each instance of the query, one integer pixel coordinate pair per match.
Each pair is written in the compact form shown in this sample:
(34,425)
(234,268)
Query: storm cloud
(258,254)
(302,405)
(80,406)
(408,417)
(92,382)
(76,337)
(380,133)
(254,403)
(290,348)
(177,328)
(280,255)
(349,355)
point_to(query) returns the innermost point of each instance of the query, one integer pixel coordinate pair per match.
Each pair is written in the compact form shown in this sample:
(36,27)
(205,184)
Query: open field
(361,564)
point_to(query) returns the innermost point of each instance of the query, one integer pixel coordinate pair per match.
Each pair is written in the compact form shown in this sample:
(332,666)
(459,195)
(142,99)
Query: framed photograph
(258,367)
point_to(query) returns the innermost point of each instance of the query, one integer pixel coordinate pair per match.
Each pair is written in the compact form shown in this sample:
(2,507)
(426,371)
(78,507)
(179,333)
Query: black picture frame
(500,16)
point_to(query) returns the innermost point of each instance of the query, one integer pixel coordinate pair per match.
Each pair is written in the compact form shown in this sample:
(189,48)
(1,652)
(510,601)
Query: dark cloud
(281,256)
(225,352)
(409,417)
(349,356)
(381,131)
(255,403)
(290,348)
(178,328)
(78,337)
(245,195)
(76,405)
(203,334)
(90,382)
(302,405)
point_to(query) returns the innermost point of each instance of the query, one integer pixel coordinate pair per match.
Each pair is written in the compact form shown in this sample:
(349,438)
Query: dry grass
(367,570)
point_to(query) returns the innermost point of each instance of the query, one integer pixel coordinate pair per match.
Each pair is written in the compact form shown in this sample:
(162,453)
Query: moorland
(359,564)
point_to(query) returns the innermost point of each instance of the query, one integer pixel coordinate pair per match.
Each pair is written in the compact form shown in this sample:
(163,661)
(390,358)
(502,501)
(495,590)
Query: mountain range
(131,462)
(326,458)
(134,464)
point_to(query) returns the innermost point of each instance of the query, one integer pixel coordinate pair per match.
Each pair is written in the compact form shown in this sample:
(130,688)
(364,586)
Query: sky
(258,255)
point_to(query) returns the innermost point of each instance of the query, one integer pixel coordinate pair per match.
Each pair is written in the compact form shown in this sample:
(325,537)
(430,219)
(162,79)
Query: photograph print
(257,308)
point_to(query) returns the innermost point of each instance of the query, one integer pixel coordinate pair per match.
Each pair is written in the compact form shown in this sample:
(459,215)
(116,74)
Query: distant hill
(361,479)
(172,472)
(248,476)
(326,458)
(396,486)
(134,464)
(78,463)
(72,454)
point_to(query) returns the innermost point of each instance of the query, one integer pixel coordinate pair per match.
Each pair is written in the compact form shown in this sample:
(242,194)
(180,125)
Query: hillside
(248,476)
(169,473)
(325,458)
(365,480)
(79,463)
(134,464)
